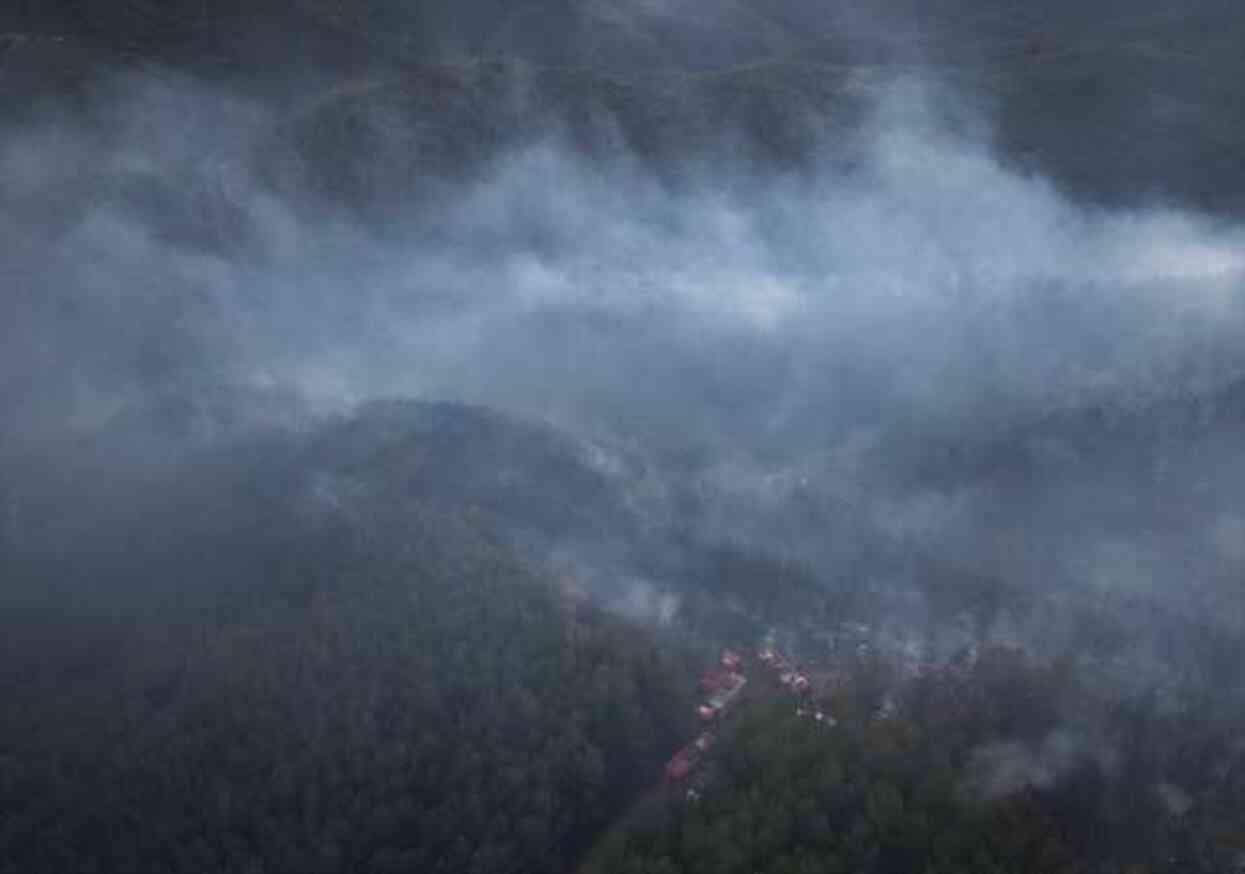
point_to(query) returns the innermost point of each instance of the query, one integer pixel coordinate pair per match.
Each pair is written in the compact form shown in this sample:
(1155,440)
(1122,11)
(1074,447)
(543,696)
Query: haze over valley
(405,405)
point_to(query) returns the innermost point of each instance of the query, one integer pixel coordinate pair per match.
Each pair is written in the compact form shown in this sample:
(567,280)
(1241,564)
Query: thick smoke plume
(147,254)
(777,331)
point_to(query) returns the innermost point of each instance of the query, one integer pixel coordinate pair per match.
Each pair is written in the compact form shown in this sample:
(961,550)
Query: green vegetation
(336,650)
(978,772)
(1132,106)
(388,692)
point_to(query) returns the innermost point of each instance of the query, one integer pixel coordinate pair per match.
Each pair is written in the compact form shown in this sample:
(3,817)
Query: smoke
(146,254)
(641,601)
(1004,768)
(772,328)
(933,273)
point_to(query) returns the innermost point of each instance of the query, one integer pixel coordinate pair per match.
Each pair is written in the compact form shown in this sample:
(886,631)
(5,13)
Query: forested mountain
(317,649)
(978,769)
(1149,86)
(414,415)
(314,681)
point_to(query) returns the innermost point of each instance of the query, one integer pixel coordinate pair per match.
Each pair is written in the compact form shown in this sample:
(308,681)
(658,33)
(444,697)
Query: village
(723,688)
(812,689)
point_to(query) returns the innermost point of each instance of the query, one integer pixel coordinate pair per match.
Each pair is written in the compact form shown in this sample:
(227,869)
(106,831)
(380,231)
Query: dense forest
(1124,102)
(404,406)
(389,689)
(978,768)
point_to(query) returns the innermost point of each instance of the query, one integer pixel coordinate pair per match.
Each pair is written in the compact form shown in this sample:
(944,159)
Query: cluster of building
(797,682)
(721,687)
(685,760)
(788,675)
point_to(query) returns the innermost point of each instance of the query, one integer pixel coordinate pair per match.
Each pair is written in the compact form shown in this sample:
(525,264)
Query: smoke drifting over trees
(725,318)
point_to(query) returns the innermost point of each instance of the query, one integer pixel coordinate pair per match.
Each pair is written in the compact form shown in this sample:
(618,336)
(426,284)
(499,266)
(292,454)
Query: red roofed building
(680,766)
(716,681)
(724,697)
(685,760)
